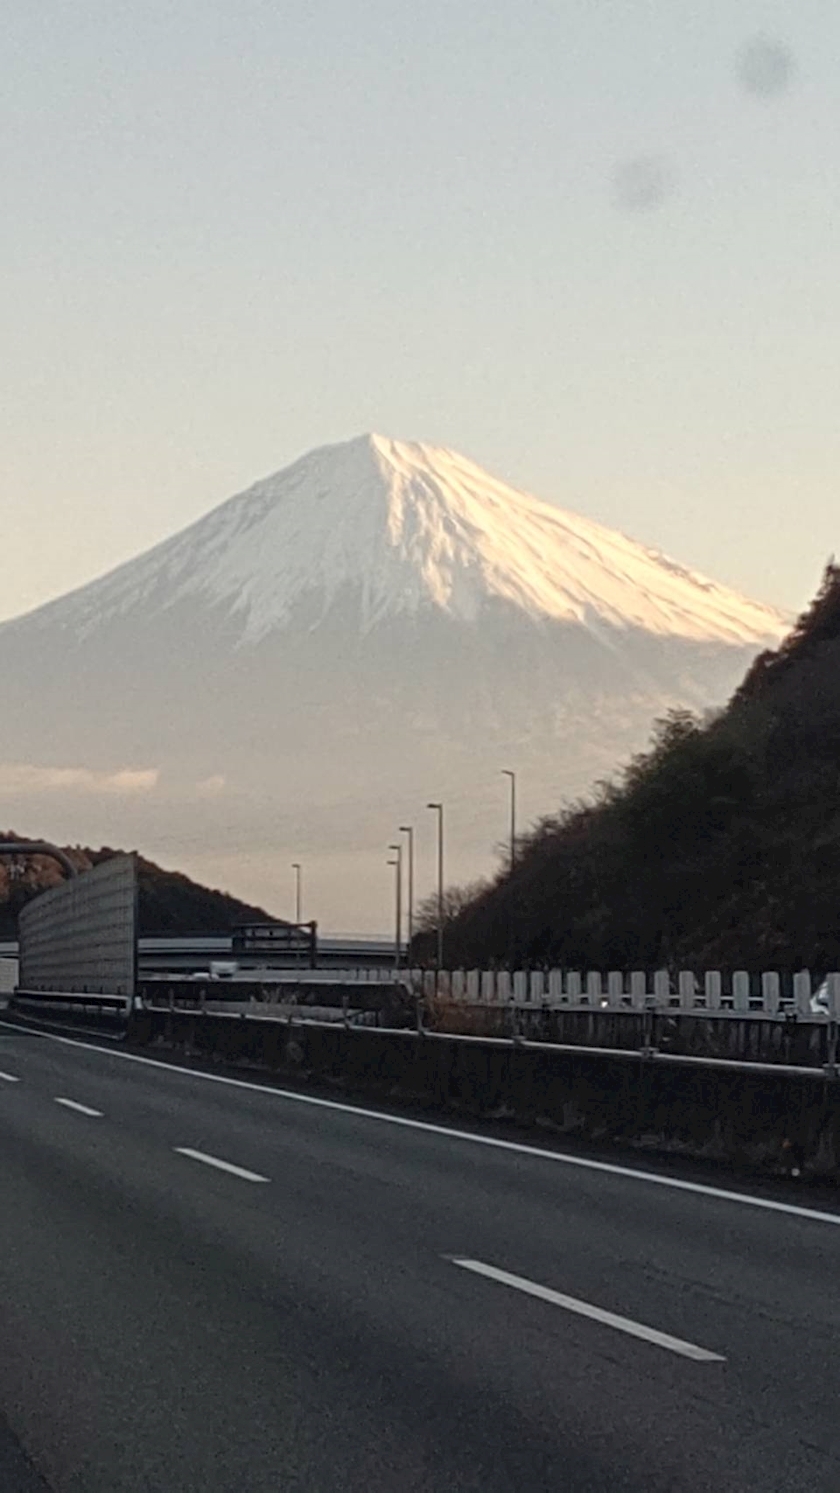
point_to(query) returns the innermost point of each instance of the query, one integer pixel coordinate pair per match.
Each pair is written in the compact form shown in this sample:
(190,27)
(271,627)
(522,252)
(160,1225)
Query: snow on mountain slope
(304,668)
(408,528)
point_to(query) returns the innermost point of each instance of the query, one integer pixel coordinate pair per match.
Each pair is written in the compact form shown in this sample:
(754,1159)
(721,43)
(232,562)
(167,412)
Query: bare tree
(455,899)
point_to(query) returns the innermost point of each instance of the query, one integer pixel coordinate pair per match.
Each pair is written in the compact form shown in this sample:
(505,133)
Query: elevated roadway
(186,954)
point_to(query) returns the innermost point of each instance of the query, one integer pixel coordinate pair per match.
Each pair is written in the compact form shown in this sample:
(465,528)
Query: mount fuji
(295,674)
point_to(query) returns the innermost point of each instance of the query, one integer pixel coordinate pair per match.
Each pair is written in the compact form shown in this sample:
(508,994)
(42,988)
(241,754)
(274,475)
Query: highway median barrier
(646,1079)
(773,1117)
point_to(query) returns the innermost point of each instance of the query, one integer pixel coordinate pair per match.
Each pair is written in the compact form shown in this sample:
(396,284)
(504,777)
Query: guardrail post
(687,987)
(662,987)
(770,992)
(802,992)
(832,990)
(741,991)
(615,987)
(555,987)
(713,986)
(638,989)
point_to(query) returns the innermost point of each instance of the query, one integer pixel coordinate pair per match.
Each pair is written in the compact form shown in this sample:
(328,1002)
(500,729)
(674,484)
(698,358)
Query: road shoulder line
(540,1153)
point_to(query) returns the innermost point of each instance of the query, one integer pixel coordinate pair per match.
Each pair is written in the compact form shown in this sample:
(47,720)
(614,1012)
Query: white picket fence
(714,992)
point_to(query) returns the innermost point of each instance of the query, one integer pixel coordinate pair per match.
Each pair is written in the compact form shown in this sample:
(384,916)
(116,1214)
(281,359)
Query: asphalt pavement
(207,1284)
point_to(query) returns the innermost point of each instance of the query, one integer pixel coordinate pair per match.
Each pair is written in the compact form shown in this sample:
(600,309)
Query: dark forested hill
(720,846)
(169,902)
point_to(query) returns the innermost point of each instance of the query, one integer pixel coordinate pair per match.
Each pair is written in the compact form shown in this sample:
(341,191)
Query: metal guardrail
(647,1040)
(165,1020)
(66,999)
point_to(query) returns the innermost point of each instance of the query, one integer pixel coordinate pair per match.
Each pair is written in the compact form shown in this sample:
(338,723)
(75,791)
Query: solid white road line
(222,1166)
(9,1078)
(81,1109)
(596,1313)
(520,1148)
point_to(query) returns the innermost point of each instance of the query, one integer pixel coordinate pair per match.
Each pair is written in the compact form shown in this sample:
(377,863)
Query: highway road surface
(213,1286)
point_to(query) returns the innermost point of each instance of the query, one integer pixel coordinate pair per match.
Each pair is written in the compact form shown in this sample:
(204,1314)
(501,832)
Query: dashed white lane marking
(596,1313)
(81,1109)
(9,1078)
(222,1166)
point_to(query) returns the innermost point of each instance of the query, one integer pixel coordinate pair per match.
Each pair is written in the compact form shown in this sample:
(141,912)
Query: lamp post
(298,870)
(508,773)
(397,864)
(397,851)
(438,809)
(408,829)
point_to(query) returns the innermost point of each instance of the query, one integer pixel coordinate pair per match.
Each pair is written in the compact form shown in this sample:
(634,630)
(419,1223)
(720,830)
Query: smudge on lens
(643,183)
(765,67)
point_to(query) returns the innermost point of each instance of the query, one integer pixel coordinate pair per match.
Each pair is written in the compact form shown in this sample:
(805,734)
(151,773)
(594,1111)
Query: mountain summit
(405,528)
(299,671)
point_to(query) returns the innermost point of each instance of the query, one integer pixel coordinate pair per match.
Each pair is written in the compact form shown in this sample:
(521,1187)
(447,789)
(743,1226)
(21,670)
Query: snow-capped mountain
(378,622)
(412,527)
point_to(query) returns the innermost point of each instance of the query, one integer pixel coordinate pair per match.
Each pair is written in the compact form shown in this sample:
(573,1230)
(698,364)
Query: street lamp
(438,809)
(397,864)
(296,867)
(408,829)
(507,773)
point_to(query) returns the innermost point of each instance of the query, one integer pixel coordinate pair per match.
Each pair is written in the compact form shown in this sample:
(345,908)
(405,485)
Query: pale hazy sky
(591,243)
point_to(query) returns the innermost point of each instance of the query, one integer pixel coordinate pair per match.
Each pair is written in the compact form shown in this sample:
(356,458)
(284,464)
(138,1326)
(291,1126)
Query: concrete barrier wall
(764,1118)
